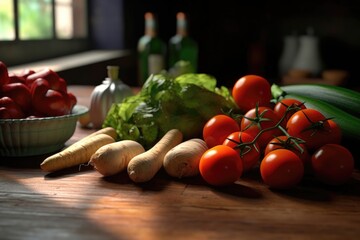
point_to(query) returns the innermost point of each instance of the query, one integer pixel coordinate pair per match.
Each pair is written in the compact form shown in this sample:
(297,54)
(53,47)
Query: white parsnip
(77,153)
(114,158)
(143,167)
(183,160)
(107,130)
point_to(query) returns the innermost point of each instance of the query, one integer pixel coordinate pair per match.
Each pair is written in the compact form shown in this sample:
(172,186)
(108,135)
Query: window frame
(17,51)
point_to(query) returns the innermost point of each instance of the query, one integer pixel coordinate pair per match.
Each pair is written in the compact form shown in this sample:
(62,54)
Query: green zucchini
(349,124)
(343,98)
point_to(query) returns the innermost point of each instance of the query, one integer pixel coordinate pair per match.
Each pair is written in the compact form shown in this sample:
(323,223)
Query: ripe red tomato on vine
(249,153)
(281,169)
(218,128)
(295,145)
(314,128)
(286,108)
(258,119)
(220,165)
(332,164)
(250,91)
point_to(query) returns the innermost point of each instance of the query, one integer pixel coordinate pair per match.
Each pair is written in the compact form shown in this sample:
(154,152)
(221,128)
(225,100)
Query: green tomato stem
(277,125)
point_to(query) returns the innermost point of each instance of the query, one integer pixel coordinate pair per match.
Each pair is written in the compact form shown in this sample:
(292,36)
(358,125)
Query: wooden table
(81,204)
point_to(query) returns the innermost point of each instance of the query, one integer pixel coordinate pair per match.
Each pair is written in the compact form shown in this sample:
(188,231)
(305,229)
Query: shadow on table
(313,190)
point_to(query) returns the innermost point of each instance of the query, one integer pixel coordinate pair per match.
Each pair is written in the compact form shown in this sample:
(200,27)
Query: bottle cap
(180,15)
(149,15)
(113,72)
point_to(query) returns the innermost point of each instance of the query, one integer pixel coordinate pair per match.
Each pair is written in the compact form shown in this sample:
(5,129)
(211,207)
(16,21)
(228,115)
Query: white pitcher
(308,56)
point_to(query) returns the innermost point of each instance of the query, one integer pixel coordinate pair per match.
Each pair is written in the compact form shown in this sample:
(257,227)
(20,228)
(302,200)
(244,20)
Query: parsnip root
(107,130)
(183,160)
(143,167)
(114,157)
(77,153)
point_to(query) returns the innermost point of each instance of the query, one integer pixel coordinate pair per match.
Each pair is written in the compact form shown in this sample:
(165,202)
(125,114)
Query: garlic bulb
(112,90)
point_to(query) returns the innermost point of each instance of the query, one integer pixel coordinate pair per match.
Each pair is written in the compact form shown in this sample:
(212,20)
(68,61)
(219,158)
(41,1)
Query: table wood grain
(81,204)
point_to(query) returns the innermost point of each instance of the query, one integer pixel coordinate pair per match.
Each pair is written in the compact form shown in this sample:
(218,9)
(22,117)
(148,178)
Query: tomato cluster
(33,94)
(283,140)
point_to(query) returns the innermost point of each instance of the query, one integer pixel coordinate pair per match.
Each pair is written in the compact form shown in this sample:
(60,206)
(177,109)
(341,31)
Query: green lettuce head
(186,103)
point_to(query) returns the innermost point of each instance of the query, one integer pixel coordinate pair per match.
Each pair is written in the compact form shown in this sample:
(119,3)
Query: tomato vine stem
(294,140)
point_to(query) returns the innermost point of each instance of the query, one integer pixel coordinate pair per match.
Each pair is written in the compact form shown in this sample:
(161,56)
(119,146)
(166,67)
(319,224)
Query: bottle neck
(182,27)
(150,27)
(113,72)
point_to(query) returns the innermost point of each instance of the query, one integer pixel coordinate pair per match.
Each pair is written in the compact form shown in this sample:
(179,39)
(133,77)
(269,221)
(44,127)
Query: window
(7,27)
(42,19)
(70,19)
(35,19)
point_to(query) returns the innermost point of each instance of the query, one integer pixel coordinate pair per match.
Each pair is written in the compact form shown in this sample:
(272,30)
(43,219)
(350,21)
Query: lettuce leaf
(186,102)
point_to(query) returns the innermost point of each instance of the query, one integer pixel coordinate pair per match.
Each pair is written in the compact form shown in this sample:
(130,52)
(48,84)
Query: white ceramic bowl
(37,136)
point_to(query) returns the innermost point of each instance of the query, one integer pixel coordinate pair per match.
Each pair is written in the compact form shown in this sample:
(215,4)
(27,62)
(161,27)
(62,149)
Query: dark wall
(241,37)
(106,24)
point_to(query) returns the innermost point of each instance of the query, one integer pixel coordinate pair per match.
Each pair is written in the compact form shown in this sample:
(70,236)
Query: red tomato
(249,154)
(258,119)
(285,104)
(312,127)
(281,169)
(284,142)
(218,128)
(251,90)
(335,130)
(220,165)
(332,164)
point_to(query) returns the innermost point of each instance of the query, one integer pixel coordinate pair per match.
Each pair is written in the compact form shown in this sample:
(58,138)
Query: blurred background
(235,38)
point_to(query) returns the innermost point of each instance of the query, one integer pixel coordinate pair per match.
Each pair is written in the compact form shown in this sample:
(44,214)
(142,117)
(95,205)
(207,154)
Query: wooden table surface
(81,204)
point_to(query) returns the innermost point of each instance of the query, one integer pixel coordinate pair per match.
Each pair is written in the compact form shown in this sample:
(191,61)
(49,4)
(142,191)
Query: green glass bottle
(182,46)
(151,50)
